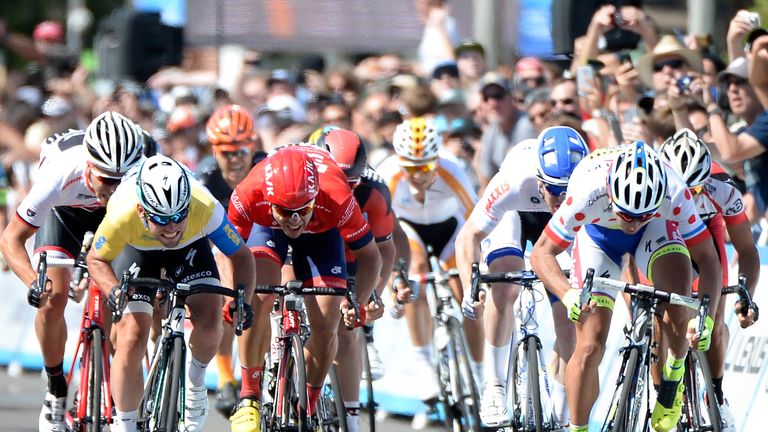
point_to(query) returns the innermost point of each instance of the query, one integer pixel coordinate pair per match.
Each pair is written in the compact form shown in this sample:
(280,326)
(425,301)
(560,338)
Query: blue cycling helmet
(560,150)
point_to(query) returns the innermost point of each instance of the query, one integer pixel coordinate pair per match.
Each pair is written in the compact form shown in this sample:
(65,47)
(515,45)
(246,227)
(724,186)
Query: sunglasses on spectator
(232,154)
(494,93)
(738,82)
(566,101)
(630,218)
(672,63)
(421,168)
(165,220)
(555,190)
(297,213)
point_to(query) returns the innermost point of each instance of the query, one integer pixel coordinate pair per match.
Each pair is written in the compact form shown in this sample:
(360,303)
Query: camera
(684,83)
(754,19)
(618,19)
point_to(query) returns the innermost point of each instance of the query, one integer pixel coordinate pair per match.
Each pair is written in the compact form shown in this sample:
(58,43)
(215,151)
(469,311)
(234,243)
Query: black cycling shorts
(64,229)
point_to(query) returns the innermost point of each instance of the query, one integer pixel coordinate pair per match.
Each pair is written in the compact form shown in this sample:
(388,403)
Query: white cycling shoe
(493,406)
(728,423)
(52,415)
(195,408)
(374,359)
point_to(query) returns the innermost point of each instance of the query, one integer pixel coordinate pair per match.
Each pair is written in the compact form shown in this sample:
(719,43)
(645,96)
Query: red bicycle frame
(92,318)
(290,324)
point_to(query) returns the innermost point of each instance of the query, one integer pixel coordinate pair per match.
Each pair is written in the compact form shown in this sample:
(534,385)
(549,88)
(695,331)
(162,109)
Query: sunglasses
(105,180)
(354,182)
(672,63)
(555,190)
(630,218)
(422,168)
(239,153)
(738,82)
(298,213)
(566,101)
(165,220)
(494,93)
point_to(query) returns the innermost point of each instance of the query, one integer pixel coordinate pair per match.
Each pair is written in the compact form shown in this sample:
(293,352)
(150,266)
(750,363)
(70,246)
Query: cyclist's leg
(663,258)
(349,368)
(132,333)
(318,260)
(581,375)
(226,388)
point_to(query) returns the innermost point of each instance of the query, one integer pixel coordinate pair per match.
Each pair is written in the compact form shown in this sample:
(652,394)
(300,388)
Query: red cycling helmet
(348,150)
(291,179)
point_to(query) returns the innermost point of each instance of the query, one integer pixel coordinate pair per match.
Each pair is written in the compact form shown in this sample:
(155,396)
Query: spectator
(667,62)
(565,99)
(337,113)
(505,127)
(445,77)
(281,82)
(440,35)
(470,59)
(538,106)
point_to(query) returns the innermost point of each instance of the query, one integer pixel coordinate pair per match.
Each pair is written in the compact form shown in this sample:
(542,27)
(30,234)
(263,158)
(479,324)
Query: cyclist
(717,201)
(515,207)
(370,192)
(232,136)
(432,196)
(161,220)
(81,171)
(299,197)
(628,202)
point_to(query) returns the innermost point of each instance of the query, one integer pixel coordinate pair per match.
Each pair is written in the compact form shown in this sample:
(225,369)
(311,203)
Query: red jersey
(335,206)
(373,196)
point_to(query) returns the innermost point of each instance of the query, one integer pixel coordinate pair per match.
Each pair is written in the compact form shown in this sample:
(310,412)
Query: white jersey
(587,203)
(513,188)
(721,196)
(61,181)
(451,194)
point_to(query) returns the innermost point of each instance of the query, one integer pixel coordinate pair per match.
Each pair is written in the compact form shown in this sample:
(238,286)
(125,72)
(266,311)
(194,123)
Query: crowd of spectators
(612,96)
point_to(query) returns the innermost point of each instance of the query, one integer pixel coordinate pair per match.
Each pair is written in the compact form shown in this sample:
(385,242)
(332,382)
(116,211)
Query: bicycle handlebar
(295,287)
(520,277)
(744,297)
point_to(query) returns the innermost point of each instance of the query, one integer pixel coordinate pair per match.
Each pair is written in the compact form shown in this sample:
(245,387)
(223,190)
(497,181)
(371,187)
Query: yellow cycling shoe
(665,419)
(246,418)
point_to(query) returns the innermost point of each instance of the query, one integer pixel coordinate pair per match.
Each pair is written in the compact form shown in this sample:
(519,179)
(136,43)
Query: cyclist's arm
(544,263)
(749,260)
(101,271)
(368,268)
(710,273)
(229,242)
(387,253)
(402,247)
(12,244)
(468,250)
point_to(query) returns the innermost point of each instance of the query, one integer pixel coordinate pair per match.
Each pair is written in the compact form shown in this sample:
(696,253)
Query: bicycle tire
(533,388)
(95,375)
(443,372)
(147,417)
(466,398)
(294,387)
(338,401)
(696,363)
(628,417)
(169,417)
(368,409)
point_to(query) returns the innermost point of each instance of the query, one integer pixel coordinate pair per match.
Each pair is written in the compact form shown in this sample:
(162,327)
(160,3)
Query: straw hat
(667,46)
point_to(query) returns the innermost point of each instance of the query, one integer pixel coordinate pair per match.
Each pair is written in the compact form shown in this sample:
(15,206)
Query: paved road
(20,399)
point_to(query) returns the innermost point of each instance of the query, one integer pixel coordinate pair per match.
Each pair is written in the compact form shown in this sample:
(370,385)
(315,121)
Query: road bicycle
(368,404)
(162,404)
(533,409)
(458,395)
(92,402)
(700,410)
(284,400)
(630,407)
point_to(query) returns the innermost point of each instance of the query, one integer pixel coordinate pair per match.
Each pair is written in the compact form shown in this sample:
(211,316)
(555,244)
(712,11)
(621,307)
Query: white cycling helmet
(637,180)
(689,156)
(417,140)
(114,143)
(163,186)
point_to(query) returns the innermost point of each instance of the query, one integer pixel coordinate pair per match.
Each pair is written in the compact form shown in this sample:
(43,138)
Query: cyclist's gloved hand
(473,310)
(354,318)
(743,313)
(229,311)
(571,301)
(705,339)
(114,298)
(35,295)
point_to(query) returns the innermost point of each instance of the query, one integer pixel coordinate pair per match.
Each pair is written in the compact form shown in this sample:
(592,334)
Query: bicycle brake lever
(351,296)
(240,310)
(586,287)
(703,311)
(475,282)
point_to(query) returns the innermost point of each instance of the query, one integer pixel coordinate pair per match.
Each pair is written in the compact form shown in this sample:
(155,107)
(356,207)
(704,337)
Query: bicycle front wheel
(466,402)
(533,388)
(292,391)
(629,415)
(700,402)
(96,372)
(169,416)
(331,413)
(368,407)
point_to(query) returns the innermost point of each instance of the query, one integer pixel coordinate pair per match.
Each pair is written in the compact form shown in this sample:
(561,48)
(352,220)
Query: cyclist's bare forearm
(749,259)
(101,272)
(369,266)
(402,248)
(544,263)
(242,260)
(13,247)
(468,250)
(710,272)
(387,252)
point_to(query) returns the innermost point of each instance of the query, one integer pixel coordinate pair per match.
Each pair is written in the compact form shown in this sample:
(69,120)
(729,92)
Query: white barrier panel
(745,384)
